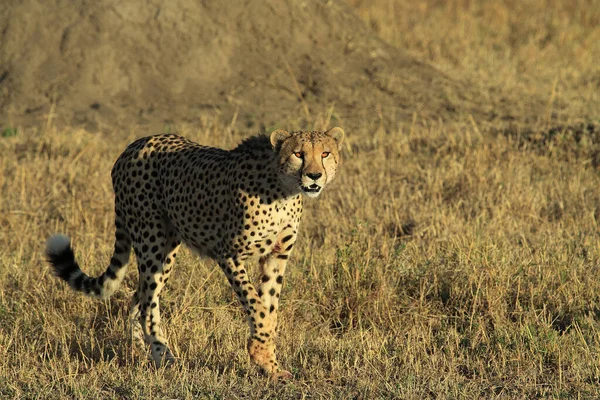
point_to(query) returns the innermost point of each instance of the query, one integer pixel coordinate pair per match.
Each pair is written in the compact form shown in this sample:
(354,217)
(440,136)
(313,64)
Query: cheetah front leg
(272,271)
(271,281)
(261,345)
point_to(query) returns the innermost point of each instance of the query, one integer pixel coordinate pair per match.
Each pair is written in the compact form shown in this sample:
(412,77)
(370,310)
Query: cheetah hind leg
(155,268)
(136,333)
(135,327)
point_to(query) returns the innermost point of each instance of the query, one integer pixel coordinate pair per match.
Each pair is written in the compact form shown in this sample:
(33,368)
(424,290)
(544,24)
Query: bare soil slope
(101,64)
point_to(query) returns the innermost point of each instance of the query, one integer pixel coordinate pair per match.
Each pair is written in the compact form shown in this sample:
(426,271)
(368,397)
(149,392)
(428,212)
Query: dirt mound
(106,63)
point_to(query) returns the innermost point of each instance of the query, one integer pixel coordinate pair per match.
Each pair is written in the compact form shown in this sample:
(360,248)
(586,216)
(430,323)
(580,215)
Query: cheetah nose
(314,176)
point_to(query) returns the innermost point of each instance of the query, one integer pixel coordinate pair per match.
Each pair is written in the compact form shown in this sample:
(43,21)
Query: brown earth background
(106,64)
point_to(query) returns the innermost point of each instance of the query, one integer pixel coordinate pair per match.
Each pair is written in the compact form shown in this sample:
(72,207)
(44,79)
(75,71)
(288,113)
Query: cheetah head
(308,160)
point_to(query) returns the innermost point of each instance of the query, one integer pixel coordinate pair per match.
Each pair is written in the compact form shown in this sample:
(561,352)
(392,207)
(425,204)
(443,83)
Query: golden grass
(512,50)
(445,261)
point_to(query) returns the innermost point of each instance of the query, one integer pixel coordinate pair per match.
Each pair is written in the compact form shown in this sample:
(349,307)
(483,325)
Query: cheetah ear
(336,134)
(278,137)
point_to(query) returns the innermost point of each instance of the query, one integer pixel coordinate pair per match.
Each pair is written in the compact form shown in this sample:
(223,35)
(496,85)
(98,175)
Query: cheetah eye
(325,154)
(298,154)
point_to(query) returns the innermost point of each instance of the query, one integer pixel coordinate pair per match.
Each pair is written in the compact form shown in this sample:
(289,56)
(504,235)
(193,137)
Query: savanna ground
(447,260)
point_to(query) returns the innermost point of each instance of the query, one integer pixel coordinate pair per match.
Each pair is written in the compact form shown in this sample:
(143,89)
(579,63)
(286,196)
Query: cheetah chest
(265,225)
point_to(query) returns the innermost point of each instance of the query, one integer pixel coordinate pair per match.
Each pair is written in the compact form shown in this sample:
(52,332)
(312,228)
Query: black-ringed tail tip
(60,255)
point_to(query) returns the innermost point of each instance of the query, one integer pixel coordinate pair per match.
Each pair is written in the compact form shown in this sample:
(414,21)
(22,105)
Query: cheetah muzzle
(236,207)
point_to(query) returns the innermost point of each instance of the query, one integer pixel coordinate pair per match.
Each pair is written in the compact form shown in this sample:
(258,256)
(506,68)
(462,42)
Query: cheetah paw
(281,376)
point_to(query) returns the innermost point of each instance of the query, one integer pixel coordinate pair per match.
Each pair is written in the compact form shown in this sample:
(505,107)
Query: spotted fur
(233,206)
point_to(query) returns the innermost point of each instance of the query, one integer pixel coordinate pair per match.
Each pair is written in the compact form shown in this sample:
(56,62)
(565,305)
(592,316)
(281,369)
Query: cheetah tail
(60,255)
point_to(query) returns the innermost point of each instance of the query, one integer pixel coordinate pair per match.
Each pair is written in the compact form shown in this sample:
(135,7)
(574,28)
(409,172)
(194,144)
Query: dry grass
(512,50)
(446,261)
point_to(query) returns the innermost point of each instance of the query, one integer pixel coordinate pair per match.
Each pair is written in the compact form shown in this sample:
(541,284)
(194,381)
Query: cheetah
(233,206)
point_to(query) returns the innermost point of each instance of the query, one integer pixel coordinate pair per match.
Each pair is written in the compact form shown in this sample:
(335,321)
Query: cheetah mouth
(312,189)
